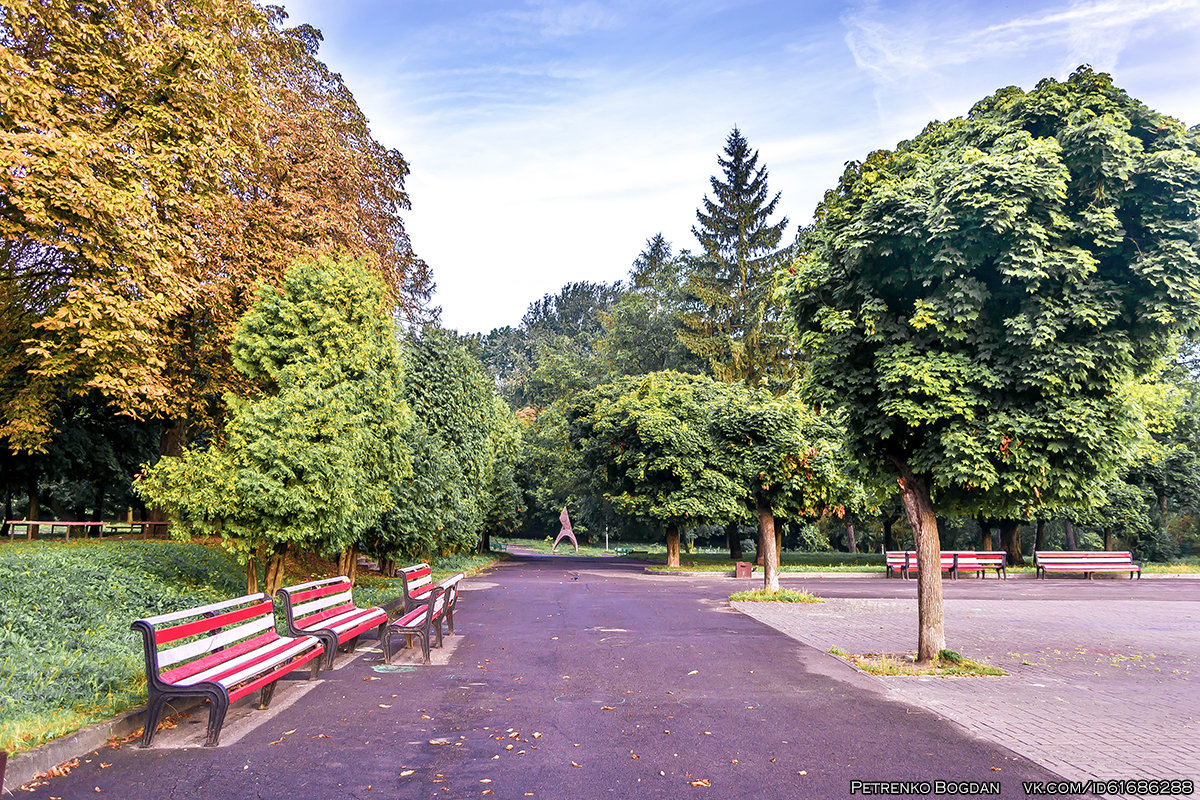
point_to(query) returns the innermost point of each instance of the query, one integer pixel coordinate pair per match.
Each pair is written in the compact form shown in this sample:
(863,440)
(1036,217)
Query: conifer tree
(734,324)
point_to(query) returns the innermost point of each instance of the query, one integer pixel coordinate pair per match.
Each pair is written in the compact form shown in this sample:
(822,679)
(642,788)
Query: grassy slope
(69,656)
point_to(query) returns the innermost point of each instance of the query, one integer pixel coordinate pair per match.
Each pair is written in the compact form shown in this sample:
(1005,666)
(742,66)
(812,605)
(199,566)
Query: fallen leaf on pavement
(573,764)
(701,782)
(439,741)
(407,772)
(694,672)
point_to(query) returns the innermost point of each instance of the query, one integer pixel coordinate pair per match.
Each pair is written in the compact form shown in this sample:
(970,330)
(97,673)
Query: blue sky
(548,140)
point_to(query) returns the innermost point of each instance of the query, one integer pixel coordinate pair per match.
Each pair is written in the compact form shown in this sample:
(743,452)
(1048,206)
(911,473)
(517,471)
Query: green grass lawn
(67,655)
(69,658)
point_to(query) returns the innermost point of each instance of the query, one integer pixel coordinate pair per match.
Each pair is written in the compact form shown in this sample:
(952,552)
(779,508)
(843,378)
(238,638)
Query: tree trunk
(98,501)
(761,549)
(348,563)
(485,541)
(672,545)
(1010,541)
(766,521)
(985,533)
(1070,531)
(889,536)
(34,507)
(275,570)
(733,535)
(1108,538)
(170,443)
(850,543)
(252,575)
(1039,541)
(931,616)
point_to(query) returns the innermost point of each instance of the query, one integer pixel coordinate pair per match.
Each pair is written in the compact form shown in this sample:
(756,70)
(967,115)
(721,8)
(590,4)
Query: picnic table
(146,529)
(32,525)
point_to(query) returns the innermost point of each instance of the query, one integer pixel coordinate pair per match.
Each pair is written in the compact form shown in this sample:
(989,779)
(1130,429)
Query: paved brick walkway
(1104,677)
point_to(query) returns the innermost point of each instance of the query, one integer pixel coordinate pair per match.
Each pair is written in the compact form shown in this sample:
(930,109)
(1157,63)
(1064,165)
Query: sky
(549,139)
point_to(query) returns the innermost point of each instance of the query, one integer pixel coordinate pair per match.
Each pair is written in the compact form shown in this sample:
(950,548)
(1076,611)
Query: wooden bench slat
(177,674)
(205,624)
(236,670)
(218,640)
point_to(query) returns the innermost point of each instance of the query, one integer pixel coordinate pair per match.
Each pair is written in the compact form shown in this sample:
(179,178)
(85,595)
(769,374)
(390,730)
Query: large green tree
(735,323)
(643,442)
(309,459)
(782,458)
(978,298)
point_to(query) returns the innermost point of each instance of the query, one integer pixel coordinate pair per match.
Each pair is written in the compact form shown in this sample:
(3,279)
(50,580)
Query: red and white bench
(897,562)
(223,652)
(326,609)
(1089,561)
(420,623)
(952,561)
(980,561)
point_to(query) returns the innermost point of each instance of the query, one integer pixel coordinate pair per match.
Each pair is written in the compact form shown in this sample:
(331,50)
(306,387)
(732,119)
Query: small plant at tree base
(781,596)
(949,657)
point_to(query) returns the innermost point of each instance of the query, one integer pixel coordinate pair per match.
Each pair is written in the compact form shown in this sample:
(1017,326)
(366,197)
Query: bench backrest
(306,604)
(1083,557)
(415,577)
(185,643)
(896,558)
(970,559)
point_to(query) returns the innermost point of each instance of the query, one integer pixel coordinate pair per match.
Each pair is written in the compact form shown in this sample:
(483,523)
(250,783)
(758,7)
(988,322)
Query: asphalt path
(572,678)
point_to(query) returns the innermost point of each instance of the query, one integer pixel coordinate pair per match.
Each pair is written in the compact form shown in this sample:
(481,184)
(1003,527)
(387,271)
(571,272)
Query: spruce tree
(733,321)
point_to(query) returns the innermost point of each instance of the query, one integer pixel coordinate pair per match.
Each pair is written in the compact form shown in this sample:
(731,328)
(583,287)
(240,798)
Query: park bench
(325,609)
(419,622)
(980,561)
(222,652)
(953,561)
(1087,561)
(897,562)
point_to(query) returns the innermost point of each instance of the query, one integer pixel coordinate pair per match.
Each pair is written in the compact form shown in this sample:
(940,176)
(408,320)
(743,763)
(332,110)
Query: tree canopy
(735,323)
(311,458)
(644,445)
(977,299)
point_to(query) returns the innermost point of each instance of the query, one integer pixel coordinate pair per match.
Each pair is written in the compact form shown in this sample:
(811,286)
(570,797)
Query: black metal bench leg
(425,655)
(450,619)
(264,699)
(153,714)
(216,718)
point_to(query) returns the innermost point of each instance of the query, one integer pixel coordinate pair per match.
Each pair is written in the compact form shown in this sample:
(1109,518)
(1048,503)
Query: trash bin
(743,570)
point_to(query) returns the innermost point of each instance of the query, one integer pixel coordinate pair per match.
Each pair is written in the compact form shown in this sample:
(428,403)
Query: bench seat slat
(239,669)
(349,619)
(283,669)
(187,669)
